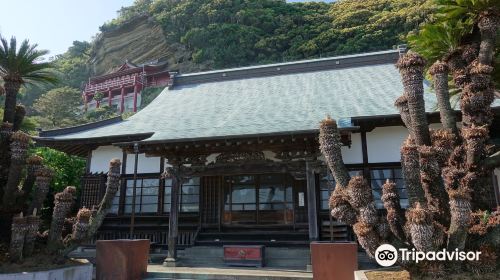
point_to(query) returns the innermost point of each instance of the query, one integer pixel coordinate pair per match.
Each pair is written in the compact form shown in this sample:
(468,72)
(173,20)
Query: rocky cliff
(140,40)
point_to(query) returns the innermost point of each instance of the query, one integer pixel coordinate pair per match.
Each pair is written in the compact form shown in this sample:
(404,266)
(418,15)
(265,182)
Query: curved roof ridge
(299,66)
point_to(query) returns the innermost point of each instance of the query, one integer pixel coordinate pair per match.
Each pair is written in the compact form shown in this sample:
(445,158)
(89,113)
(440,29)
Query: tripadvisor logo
(387,255)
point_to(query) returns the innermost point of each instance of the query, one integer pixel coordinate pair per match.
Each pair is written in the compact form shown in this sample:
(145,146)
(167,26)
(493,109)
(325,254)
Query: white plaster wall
(101,157)
(144,164)
(354,154)
(384,143)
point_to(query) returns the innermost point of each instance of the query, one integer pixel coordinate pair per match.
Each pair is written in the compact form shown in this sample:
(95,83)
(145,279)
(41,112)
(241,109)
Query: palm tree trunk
(19,117)
(32,225)
(477,135)
(62,207)
(11,91)
(430,178)
(42,182)
(488,25)
(330,145)
(18,233)
(411,67)
(113,185)
(19,147)
(33,164)
(439,72)
(402,104)
(395,215)
(411,171)
(5,133)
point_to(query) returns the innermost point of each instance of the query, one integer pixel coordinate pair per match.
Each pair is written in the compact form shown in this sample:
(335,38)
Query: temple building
(246,141)
(121,89)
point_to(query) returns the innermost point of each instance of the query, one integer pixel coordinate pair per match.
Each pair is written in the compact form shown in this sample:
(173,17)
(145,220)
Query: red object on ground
(244,255)
(334,261)
(122,259)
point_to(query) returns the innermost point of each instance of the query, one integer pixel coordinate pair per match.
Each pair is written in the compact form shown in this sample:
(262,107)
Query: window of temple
(378,176)
(327,185)
(116,203)
(243,194)
(189,196)
(146,196)
(273,194)
(261,199)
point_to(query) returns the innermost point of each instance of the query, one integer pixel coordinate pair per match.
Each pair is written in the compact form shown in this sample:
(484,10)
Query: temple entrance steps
(275,257)
(335,231)
(159,272)
(268,238)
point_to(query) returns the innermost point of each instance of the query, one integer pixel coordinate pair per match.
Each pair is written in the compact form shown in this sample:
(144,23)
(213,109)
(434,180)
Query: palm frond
(42,76)
(453,20)
(434,40)
(25,63)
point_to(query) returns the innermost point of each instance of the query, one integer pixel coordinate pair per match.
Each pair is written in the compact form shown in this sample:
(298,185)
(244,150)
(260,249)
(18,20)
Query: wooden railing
(112,84)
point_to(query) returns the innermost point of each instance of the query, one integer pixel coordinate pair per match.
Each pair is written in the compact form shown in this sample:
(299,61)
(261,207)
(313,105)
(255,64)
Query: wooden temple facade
(122,87)
(232,156)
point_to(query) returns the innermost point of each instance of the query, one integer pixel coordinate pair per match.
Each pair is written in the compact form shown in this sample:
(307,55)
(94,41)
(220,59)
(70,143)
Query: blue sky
(55,24)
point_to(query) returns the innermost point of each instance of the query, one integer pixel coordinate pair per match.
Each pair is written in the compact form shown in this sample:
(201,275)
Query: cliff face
(138,41)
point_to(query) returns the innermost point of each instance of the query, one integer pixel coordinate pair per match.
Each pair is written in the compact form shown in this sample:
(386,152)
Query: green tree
(99,114)
(235,33)
(59,107)
(72,67)
(452,29)
(19,66)
(68,170)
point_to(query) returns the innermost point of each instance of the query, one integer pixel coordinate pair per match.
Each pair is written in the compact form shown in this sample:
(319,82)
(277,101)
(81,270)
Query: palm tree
(19,67)
(411,67)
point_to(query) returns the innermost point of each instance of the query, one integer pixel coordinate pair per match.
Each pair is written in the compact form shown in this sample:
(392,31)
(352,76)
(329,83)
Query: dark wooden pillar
(123,187)
(85,99)
(88,162)
(110,97)
(122,100)
(173,223)
(312,211)
(364,148)
(136,91)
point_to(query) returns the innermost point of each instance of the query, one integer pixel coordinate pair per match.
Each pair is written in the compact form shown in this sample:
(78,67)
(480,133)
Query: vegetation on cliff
(224,34)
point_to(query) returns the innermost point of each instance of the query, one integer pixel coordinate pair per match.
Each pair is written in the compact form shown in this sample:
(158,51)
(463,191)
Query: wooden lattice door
(93,189)
(211,195)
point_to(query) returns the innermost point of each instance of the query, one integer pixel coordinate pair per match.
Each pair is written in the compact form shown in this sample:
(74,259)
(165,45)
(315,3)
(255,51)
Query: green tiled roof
(263,105)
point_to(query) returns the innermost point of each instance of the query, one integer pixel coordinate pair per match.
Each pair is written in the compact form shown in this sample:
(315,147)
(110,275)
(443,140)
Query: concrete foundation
(78,272)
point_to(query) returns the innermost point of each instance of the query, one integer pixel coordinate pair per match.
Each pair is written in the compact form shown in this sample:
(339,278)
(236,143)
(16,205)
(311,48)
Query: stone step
(225,273)
(274,257)
(270,252)
(253,235)
(288,253)
(267,243)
